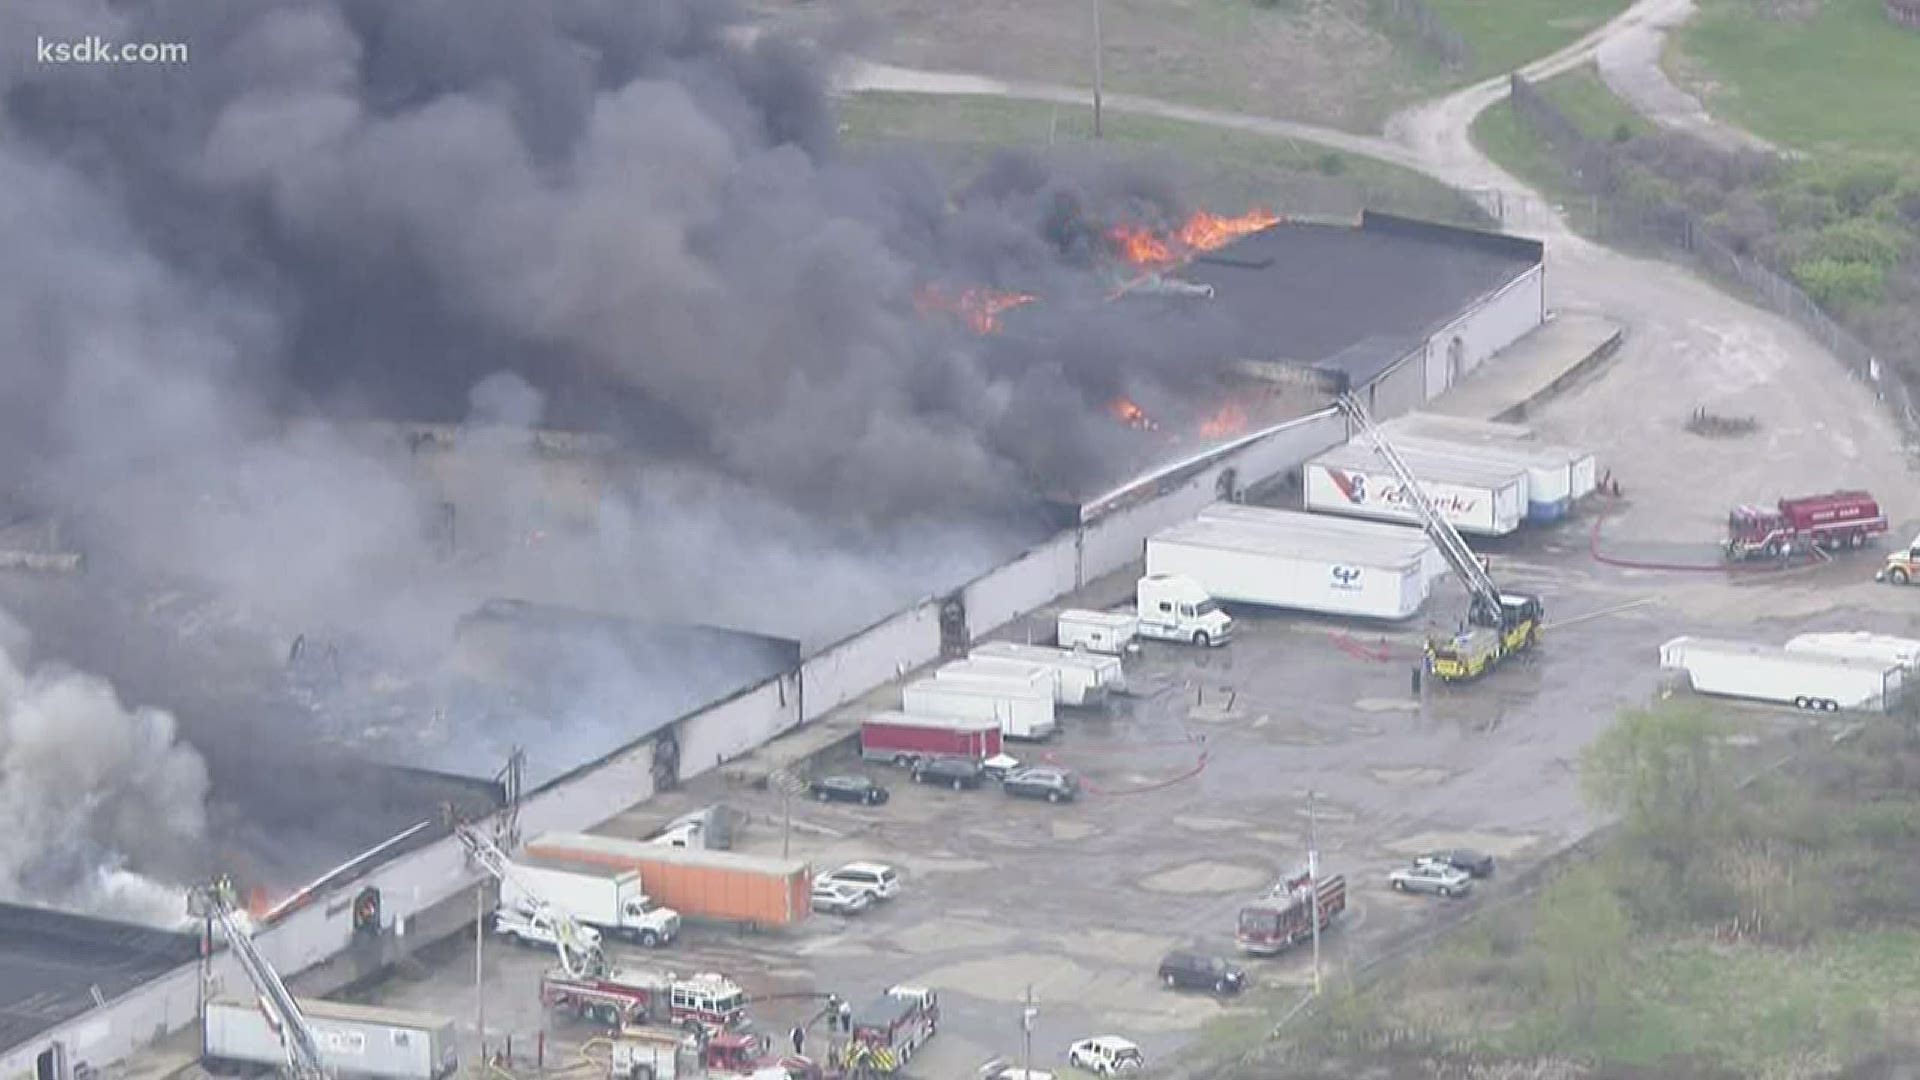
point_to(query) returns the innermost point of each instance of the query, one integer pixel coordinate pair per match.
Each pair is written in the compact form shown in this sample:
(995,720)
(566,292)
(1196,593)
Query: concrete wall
(1002,595)
(118,1031)
(1402,389)
(719,733)
(871,658)
(1494,323)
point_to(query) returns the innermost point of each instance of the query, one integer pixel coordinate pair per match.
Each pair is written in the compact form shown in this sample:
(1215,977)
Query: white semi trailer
(356,1041)
(1333,575)
(1084,679)
(1774,673)
(1896,650)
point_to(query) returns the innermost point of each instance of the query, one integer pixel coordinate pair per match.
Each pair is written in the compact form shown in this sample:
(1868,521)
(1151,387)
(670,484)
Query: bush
(1837,284)
(1860,240)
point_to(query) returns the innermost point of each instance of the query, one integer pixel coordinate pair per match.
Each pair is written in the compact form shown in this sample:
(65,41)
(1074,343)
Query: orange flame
(1200,232)
(1229,420)
(1130,414)
(979,306)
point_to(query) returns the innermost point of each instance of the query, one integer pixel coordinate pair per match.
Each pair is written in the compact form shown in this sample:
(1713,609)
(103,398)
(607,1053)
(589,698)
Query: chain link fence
(1621,216)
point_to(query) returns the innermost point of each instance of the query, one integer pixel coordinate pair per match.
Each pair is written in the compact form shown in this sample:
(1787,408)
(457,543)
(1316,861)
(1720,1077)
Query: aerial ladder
(1499,624)
(581,956)
(217,903)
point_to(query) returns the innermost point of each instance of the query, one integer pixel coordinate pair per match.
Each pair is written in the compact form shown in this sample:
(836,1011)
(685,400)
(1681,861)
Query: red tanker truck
(1840,519)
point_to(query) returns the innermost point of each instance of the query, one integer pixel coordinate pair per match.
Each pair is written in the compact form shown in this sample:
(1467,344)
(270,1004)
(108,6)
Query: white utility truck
(609,900)
(1805,680)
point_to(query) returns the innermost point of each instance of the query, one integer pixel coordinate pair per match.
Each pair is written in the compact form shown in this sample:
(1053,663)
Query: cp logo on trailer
(1345,576)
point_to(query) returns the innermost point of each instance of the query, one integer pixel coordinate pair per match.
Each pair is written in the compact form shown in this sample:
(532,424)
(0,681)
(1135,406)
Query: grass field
(1585,99)
(1336,62)
(1845,78)
(1217,167)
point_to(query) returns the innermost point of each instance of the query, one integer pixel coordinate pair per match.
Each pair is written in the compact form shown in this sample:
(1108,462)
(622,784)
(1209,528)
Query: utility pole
(479,973)
(1098,49)
(1026,1029)
(1313,888)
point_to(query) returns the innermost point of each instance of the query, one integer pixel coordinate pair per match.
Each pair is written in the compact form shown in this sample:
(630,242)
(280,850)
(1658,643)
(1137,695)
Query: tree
(1584,934)
(1663,772)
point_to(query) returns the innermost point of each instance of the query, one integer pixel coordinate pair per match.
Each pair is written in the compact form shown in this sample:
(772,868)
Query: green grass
(1585,99)
(1504,37)
(1847,79)
(1292,177)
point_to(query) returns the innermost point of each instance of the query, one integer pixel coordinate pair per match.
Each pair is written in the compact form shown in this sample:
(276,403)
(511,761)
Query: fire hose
(1816,556)
(1199,766)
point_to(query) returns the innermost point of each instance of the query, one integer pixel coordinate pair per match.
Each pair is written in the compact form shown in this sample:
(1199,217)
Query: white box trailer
(1022,712)
(1859,643)
(1805,680)
(974,671)
(1085,679)
(1301,522)
(355,1040)
(1483,499)
(1582,468)
(1109,632)
(1333,575)
(1549,476)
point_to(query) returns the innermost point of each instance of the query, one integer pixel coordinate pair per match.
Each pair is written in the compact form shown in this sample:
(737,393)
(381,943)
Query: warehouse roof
(52,962)
(1304,293)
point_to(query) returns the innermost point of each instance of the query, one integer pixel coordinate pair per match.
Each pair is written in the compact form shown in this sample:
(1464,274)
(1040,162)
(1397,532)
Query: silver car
(1431,877)
(837,898)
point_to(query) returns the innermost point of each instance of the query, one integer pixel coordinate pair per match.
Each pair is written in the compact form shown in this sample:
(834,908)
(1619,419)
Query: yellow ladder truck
(1499,623)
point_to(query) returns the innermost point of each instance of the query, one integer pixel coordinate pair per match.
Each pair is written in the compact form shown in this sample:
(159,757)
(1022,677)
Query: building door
(1456,359)
(954,639)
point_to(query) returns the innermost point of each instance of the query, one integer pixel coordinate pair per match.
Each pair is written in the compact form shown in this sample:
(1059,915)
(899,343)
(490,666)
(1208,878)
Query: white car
(877,879)
(1106,1055)
(840,898)
(526,928)
(1429,876)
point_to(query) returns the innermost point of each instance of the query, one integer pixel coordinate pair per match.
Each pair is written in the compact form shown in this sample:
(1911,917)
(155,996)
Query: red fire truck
(708,1001)
(894,1025)
(1840,519)
(1284,917)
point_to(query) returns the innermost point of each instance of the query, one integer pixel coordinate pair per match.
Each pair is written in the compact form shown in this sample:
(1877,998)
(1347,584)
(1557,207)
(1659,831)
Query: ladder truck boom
(1452,546)
(580,955)
(216,902)
(1502,623)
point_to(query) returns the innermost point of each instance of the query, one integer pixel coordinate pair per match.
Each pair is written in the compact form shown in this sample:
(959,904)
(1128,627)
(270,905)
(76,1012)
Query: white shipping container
(1582,470)
(1334,575)
(355,1040)
(1806,680)
(1866,646)
(1084,679)
(1485,500)
(1301,522)
(1021,712)
(1107,632)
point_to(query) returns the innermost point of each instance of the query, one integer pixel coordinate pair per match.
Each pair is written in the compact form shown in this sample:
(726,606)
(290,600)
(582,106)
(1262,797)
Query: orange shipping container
(697,883)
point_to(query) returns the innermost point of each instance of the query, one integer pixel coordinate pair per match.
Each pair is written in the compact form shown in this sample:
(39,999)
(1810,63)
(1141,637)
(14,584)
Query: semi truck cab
(1176,608)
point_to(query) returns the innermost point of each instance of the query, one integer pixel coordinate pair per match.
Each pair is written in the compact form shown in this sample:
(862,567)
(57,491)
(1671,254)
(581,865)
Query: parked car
(1044,782)
(1431,877)
(1106,1055)
(1467,861)
(954,772)
(1186,968)
(876,879)
(999,766)
(854,789)
(840,898)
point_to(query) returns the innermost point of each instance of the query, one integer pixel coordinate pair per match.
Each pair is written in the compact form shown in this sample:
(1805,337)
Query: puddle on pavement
(1197,878)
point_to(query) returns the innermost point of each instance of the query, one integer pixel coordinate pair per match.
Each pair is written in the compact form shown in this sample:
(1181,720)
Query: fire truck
(654,1054)
(708,1002)
(891,1027)
(1284,916)
(1840,519)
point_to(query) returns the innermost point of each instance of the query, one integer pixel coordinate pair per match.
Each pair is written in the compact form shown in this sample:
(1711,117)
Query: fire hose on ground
(1816,557)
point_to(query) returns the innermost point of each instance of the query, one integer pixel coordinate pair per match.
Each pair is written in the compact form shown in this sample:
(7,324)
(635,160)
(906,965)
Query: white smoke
(104,805)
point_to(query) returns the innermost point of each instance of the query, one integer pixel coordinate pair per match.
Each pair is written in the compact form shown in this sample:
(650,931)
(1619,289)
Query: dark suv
(1053,785)
(955,772)
(1201,971)
(856,789)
